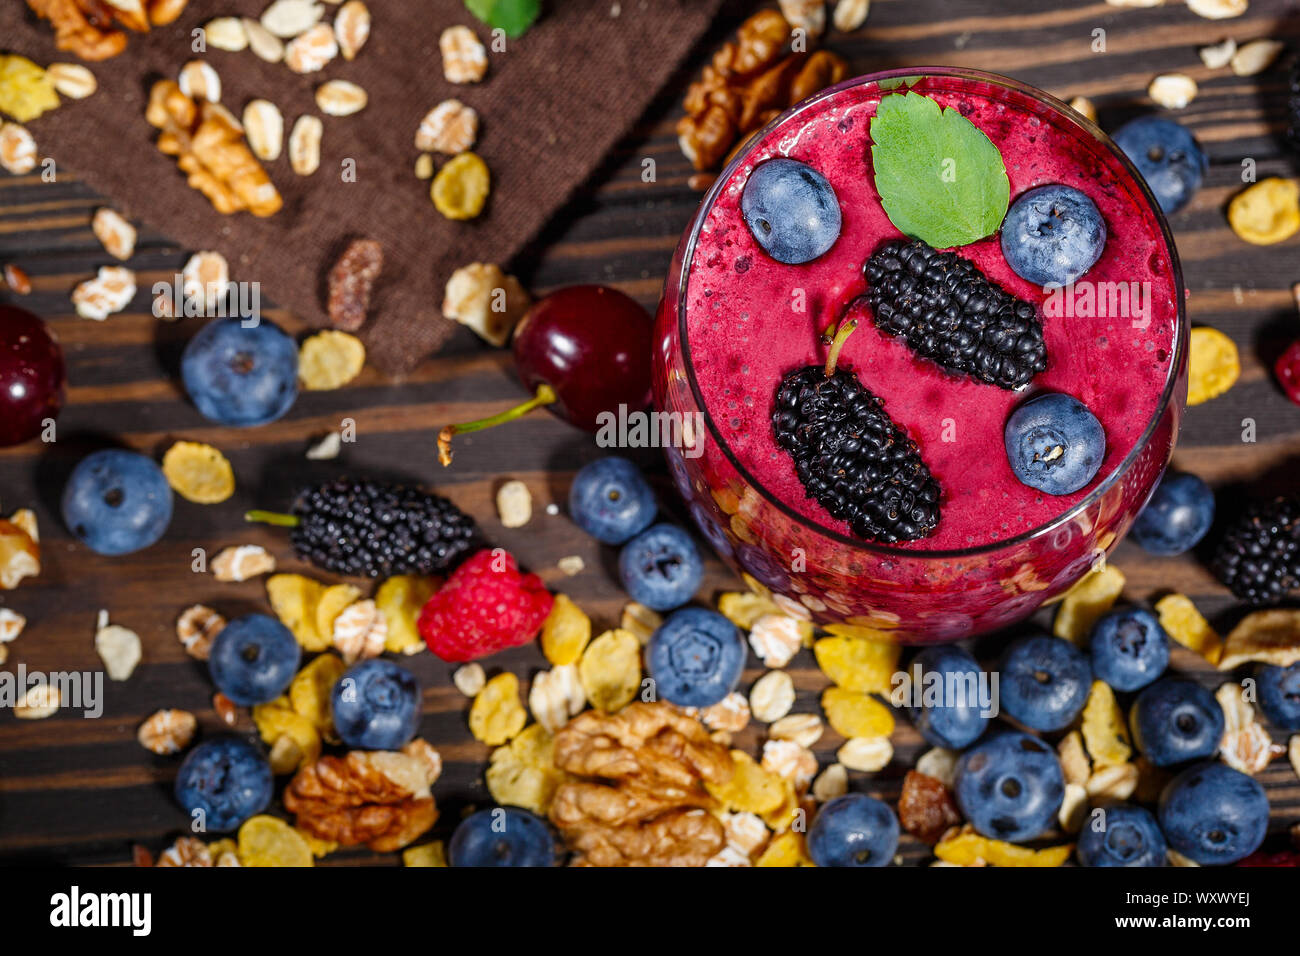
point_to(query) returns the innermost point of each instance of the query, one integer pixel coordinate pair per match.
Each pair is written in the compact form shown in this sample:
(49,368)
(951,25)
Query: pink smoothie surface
(751,319)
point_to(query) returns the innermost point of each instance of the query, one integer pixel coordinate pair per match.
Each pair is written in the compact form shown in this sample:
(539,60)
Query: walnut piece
(647,805)
(88,28)
(167,731)
(379,798)
(209,147)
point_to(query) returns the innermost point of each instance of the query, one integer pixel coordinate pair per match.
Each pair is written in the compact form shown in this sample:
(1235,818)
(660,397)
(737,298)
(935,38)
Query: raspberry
(486,606)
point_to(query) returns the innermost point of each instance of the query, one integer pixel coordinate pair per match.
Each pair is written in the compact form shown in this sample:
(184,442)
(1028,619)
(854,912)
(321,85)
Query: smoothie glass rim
(1069,115)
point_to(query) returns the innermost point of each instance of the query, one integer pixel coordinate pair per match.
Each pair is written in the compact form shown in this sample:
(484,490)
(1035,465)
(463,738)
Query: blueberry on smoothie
(1010,786)
(1168,157)
(1177,517)
(117,502)
(1054,444)
(502,836)
(1214,815)
(1279,694)
(227,780)
(1129,648)
(791,210)
(853,830)
(1125,836)
(661,567)
(611,500)
(695,658)
(1045,682)
(1052,235)
(1175,721)
(951,717)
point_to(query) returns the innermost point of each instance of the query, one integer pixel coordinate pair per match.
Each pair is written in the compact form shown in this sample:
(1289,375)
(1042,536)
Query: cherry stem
(842,334)
(545,395)
(272,517)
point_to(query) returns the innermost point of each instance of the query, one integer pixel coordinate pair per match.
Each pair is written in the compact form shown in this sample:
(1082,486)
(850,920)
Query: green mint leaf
(940,179)
(512,16)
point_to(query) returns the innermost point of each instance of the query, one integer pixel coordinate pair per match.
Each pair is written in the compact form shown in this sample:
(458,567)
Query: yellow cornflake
(428,854)
(523,772)
(786,849)
(1104,733)
(330,359)
(565,632)
(26,91)
(751,789)
(1267,212)
(856,715)
(219,847)
(269,841)
(1213,365)
(277,718)
(295,598)
(1092,596)
(1264,637)
(461,187)
(1186,625)
(744,608)
(334,600)
(782,818)
(610,670)
(497,713)
(856,663)
(198,473)
(401,598)
(319,848)
(311,690)
(967,848)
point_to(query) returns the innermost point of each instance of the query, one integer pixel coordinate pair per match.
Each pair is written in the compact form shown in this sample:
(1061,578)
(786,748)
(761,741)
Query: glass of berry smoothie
(927,332)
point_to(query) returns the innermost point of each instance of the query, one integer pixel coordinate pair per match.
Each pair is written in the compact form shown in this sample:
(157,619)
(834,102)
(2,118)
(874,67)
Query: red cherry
(581,351)
(1288,372)
(32,375)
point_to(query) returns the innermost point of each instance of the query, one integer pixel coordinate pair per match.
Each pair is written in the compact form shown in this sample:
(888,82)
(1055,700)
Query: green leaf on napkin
(512,16)
(940,178)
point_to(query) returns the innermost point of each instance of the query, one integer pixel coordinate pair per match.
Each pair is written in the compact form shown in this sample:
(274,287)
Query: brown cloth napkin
(552,104)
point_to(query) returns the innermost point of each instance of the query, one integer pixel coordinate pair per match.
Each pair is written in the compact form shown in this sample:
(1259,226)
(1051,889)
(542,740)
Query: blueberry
(661,567)
(376,705)
(117,502)
(1055,444)
(791,210)
(228,779)
(1045,682)
(951,717)
(610,500)
(1129,648)
(253,659)
(1213,814)
(695,658)
(241,376)
(502,836)
(1010,786)
(1127,836)
(1168,157)
(853,830)
(1175,721)
(1052,235)
(1279,694)
(1177,517)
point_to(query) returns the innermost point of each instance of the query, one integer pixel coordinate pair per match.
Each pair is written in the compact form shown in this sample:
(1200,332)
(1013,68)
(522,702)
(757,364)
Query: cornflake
(1091,596)
(109,292)
(330,359)
(114,233)
(167,731)
(427,854)
(198,473)
(451,127)
(565,632)
(640,620)
(1266,637)
(464,58)
(1075,763)
(776,639)
(481,296)
(772,696)
(751,789)
(1186,625)
(1074,808)
(610,669)
(401,598)
(867,754)
(851,714)
(1104,731)
(1213,365)
(496,714)
(241,562)
(857,663)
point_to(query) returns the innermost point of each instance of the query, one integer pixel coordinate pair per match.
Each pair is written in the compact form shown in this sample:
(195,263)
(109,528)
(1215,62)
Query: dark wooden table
(82,791)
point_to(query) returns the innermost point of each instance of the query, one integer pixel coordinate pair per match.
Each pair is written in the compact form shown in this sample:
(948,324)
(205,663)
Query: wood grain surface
(76,790)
